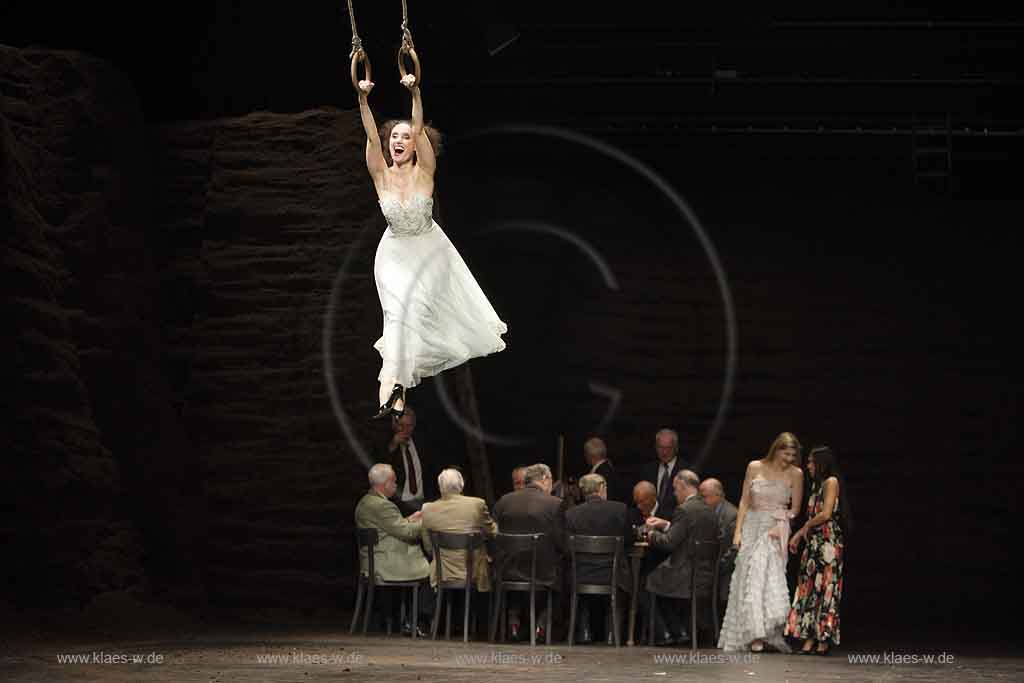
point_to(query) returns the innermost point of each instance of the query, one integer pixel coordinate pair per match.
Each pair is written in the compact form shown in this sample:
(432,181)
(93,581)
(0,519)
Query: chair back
(609,547)
(446,540)
(367,538)
(510,546)
(705,555)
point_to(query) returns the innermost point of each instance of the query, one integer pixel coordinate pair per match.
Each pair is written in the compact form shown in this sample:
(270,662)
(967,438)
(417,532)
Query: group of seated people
(669,507)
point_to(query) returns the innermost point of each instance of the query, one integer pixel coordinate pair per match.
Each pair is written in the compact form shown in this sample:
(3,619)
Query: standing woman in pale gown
(435,314)
(819,588)
(758,592)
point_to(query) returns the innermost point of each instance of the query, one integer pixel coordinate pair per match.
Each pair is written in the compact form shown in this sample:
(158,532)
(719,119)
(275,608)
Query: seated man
(528,511)
(397,556)
(457,513)
(598,516)
(670,580)
(519,478)
(645,497)
(714,496)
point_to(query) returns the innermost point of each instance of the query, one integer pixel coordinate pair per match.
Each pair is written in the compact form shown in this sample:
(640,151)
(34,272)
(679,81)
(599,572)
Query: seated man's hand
(416,516)
(656,522)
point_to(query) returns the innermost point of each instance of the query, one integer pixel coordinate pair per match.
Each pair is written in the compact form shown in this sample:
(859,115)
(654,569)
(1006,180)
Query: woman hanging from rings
(436,316)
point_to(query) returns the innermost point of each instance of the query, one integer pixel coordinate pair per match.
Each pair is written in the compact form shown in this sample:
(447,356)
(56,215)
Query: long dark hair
(826,465)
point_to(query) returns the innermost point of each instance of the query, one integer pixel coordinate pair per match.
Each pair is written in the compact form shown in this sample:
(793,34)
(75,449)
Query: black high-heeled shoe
(389,407)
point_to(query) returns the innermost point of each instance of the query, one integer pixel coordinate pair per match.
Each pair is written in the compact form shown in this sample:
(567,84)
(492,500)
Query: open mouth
(399,150)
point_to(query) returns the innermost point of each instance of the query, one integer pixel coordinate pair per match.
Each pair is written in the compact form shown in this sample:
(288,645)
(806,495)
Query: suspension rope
(407,48)
(357,54)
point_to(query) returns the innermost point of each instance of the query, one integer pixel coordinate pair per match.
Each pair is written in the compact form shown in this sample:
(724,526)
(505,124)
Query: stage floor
(315,654)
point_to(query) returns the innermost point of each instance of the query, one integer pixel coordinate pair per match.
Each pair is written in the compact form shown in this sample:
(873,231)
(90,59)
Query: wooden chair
(705,554)
(610,548)
(471,543)
(368,583)
(509,547)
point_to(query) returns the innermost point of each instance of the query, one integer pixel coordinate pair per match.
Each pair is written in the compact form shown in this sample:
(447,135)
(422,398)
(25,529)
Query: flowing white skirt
(436,317)
(758,594)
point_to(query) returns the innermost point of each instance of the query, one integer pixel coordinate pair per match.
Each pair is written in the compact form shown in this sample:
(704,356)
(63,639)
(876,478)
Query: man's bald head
(712,492)
(645,497)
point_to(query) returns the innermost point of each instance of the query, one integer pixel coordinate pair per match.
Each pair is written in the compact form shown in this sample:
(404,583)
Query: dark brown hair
(433,135)
(825,466)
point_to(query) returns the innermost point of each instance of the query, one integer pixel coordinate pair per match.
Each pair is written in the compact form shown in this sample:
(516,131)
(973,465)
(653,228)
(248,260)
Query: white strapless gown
(758,592)
(435,314)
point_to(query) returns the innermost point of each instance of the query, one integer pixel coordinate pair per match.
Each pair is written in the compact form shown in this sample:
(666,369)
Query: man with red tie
(415,478)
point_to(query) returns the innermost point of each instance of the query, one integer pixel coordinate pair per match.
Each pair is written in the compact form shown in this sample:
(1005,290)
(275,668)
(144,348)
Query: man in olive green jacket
(398,555)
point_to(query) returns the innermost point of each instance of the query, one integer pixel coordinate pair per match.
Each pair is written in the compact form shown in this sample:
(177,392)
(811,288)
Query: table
(636,558)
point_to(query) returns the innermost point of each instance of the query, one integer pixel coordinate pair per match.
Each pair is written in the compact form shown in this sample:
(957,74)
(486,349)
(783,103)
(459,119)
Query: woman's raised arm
(426,160)
(375,162)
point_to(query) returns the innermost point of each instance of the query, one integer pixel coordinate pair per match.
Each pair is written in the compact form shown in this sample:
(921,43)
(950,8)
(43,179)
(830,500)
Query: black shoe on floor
(420,632)
(664,640)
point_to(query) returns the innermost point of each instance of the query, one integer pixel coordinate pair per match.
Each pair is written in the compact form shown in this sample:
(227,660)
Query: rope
(357,43)
(407,43)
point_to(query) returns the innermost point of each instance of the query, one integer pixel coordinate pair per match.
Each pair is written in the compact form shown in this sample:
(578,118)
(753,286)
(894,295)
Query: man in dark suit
(662,472)
(670,580)
(598,516)
(645,500)
(416,475)
(714,496)
(519,477)
(595,452)
(533,510)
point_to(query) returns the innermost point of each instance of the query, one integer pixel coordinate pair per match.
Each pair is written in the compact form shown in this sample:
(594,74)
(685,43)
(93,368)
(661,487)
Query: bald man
(645,497)
(714,496)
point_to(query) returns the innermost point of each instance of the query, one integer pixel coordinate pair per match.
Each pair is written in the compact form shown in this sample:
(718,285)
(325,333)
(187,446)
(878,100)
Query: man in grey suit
(531,510)
(598,516)
(714,496)
(670,580)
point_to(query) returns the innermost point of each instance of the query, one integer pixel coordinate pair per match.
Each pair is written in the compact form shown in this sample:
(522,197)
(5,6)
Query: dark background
(874,307)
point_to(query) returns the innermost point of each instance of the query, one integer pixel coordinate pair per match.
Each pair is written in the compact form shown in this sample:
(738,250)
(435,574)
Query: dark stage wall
(171,434)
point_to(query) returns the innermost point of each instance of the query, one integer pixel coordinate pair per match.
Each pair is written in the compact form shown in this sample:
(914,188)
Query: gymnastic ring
(360,56)
(415,63)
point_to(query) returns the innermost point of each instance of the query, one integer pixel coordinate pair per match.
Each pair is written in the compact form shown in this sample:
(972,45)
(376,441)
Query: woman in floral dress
(815,613)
